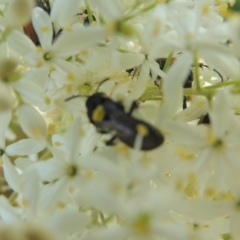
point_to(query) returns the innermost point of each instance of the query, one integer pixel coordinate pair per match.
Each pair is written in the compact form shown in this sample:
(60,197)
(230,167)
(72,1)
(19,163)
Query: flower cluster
(164,80)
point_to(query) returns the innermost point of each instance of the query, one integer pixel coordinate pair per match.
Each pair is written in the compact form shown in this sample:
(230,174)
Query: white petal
(73,140)
(32,122)
(49,170)
(141,83)
(5,118)
(23,163)
(7,212)
(126,60)
(52,194)
(235,225)
(109,9)
(72,42)
(43,27)
(63,12)
(31,192)
(173,86)
(220,114)
(220,58)
(29,91)
(153,65)
(25,147)
(60,220)
(11,175)
(21,43)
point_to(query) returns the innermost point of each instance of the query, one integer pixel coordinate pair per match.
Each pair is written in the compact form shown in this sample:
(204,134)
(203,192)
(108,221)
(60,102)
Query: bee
(109,116)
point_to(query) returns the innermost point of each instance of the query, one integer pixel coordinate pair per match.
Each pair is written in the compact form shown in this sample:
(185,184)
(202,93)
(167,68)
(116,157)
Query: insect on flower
(188,82)
(109,116)
(86,18)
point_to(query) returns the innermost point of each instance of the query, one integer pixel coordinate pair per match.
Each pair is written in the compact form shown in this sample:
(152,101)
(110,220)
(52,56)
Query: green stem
(89,11)
(12,198)
(168,62)
(142,10)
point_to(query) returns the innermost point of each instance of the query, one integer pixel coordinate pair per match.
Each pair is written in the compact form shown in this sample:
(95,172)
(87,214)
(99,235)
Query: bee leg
(133,107)
(111,141)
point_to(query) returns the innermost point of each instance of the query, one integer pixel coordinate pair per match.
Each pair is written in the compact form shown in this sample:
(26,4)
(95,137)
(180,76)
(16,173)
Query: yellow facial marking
(142,129)
(98,113)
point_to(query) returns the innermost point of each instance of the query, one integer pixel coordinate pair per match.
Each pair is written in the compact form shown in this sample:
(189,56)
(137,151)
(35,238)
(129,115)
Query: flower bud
(19,12)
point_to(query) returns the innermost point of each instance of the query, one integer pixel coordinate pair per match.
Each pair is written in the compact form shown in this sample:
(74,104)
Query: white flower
(50,56)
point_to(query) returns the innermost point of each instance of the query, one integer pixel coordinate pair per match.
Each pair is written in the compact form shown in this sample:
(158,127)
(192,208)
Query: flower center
(48,56)
(72,170)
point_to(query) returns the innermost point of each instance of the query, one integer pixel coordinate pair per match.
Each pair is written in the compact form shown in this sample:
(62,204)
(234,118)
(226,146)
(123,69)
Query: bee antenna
(101,83)
(74,96)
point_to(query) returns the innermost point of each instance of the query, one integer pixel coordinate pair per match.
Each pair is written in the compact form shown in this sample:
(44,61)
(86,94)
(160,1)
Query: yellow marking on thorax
(98,113)
(142,129)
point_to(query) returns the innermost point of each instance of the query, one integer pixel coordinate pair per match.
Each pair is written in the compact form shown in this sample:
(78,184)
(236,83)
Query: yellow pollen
(210,192)
(119,98)
(224,10)
(215,142)
(189,36)
(122,148)
(36,131)
(205,9)
(47,100)
(39,49)
(185,155)
(141,225)
(39,63)
(57,144)
(142,129)
(200,103)
(69,88)
(156,27)
(51,128)
(52,68)
(167,174)
(84,52)
(88,174)
(45,29)
(98,114)
(60,205)
(71,77)
(68,29)
(81,133)
(25,202)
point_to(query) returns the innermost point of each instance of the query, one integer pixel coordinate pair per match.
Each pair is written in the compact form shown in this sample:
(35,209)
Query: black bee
(109,116)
